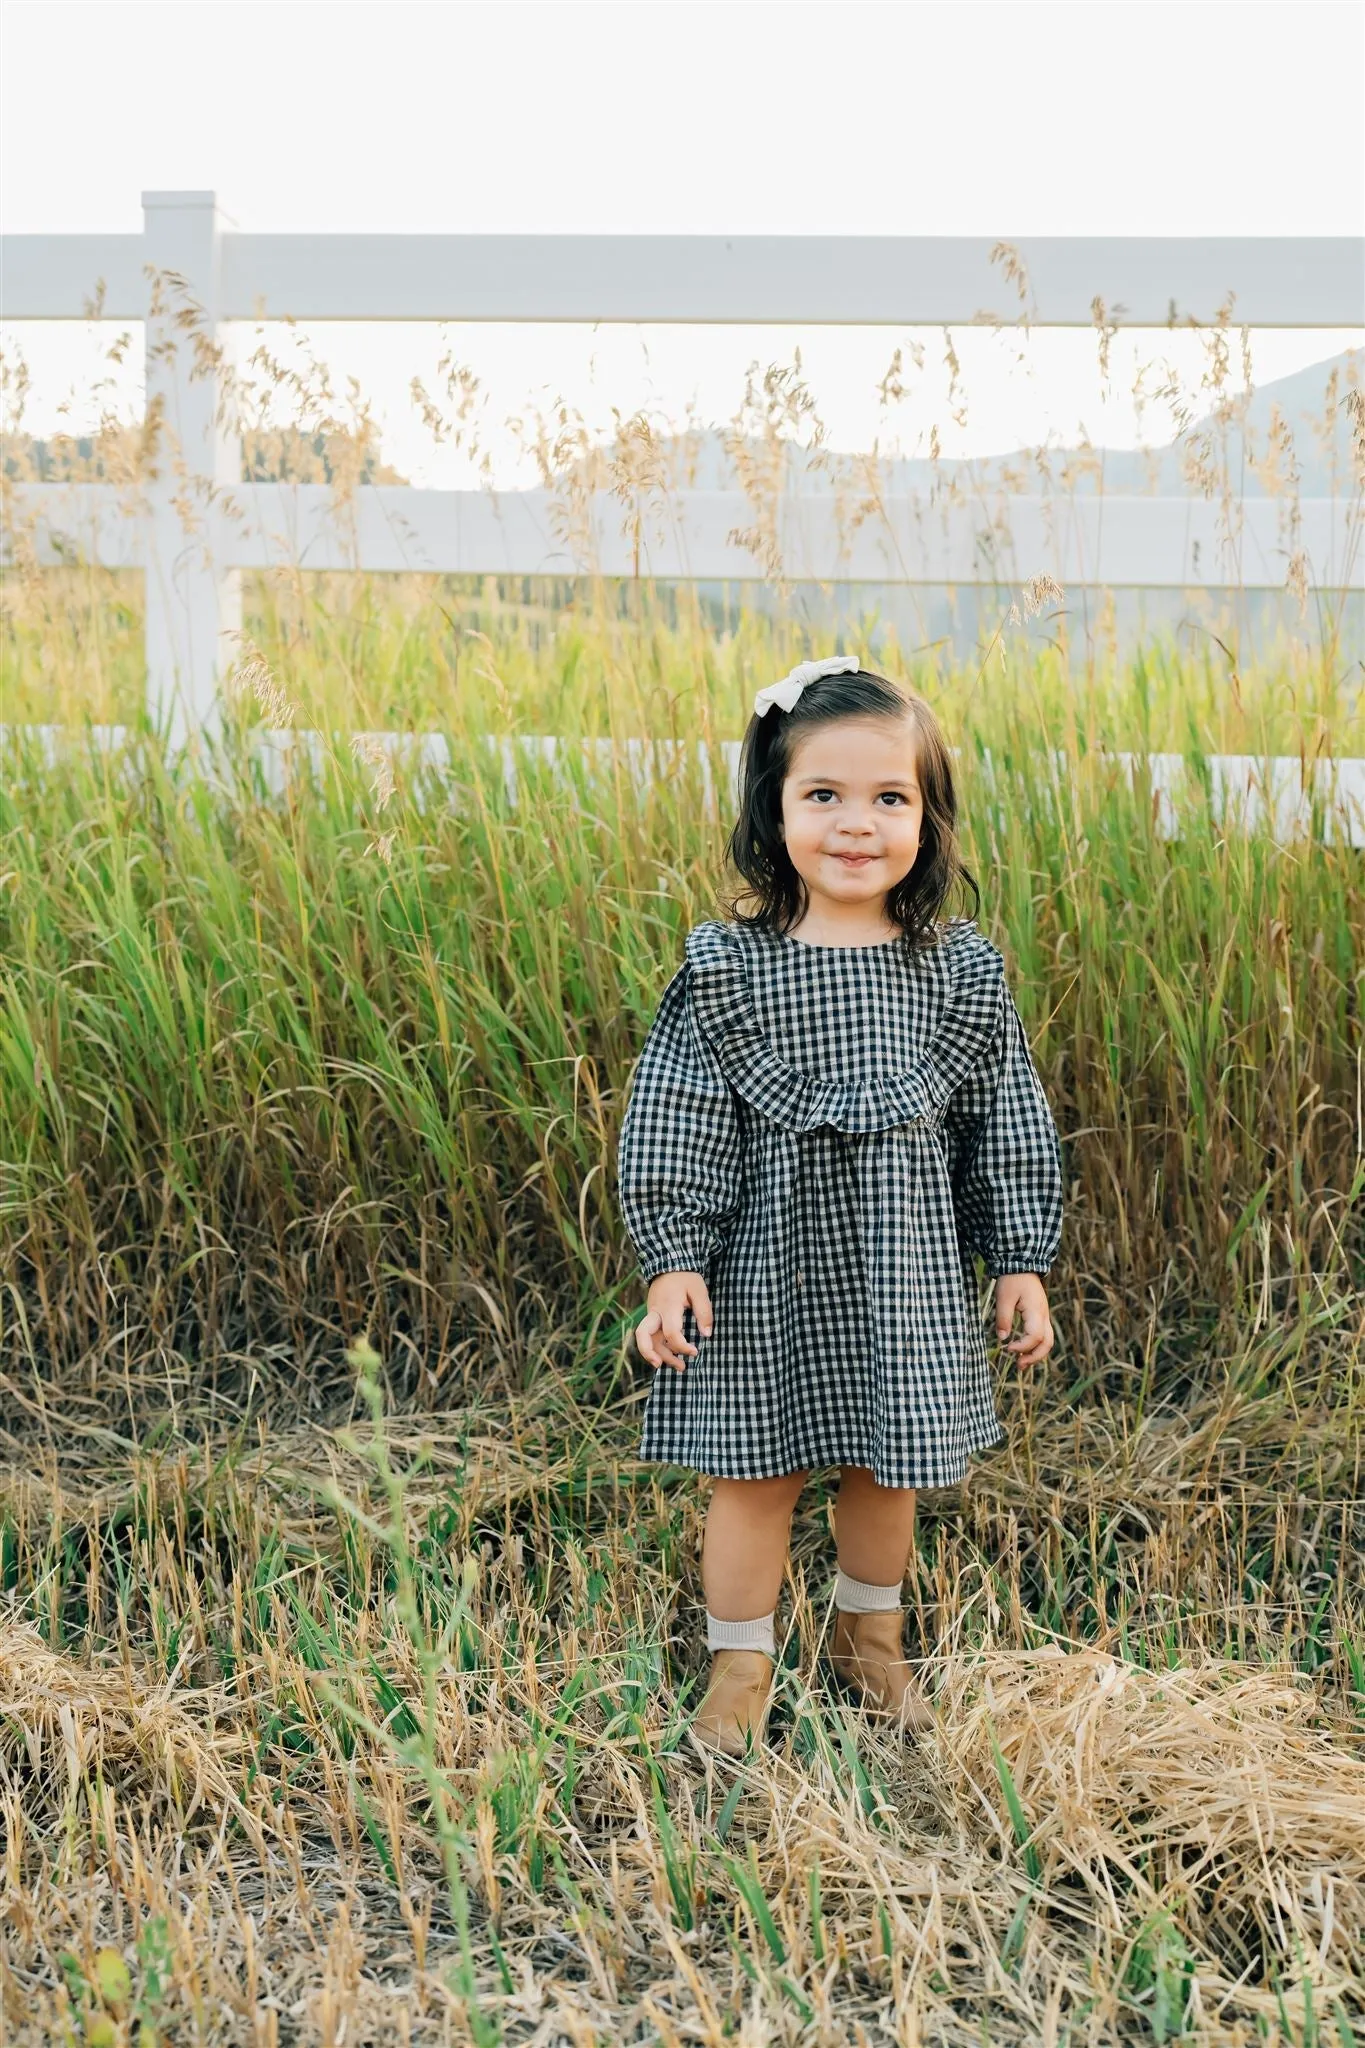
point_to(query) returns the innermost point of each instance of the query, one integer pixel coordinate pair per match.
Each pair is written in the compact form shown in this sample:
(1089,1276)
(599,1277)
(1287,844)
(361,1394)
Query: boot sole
(711,1752)
(714,1751)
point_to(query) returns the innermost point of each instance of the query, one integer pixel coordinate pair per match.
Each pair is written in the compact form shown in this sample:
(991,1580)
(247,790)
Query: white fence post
(194,605)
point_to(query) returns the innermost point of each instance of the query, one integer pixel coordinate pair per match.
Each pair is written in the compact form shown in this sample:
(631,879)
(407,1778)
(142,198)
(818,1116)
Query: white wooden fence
(1292,798)
(195,526)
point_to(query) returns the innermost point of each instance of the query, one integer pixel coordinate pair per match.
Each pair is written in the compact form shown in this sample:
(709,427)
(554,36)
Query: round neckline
(809,946)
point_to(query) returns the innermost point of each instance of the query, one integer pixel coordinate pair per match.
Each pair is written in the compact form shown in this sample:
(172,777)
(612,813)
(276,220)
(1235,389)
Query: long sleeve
(681,1144)
(1004,1156)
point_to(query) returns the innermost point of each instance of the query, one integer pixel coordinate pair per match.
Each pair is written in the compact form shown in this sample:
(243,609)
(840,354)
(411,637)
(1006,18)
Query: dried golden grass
(1191,1839)
(153,1746)
(1213,1783)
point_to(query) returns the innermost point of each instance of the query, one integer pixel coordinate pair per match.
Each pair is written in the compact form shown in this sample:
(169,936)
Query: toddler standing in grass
(834,1109)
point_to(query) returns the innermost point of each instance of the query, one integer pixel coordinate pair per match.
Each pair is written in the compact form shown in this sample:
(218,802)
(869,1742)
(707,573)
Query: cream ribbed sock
(757,1634)
(855,1596)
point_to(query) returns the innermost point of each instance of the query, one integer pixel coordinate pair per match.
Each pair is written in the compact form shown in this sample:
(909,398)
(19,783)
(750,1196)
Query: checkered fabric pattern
(827,1134)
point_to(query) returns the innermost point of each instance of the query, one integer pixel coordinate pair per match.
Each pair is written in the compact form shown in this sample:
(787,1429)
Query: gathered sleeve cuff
(678,1156)
(1004,1155)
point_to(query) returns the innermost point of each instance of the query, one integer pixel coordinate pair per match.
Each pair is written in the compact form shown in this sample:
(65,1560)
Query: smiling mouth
(855,860)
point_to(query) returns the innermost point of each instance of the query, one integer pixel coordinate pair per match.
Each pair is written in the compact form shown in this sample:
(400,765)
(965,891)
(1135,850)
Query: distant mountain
(1296,423)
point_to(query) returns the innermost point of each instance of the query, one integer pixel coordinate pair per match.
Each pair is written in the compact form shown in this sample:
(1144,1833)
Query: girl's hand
(659,1336)
(1023,1292)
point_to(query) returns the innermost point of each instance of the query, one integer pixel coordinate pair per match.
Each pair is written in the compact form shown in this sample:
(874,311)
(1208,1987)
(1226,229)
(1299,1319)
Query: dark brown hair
(756,847)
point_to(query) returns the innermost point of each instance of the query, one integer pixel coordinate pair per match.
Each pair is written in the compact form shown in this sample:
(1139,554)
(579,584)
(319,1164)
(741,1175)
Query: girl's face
(852,808)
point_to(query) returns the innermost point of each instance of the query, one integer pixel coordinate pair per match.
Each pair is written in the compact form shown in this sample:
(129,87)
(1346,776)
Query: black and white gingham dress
(827,1134)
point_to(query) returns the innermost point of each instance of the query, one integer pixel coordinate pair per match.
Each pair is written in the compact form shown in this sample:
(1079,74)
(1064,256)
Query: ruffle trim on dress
(724,1008)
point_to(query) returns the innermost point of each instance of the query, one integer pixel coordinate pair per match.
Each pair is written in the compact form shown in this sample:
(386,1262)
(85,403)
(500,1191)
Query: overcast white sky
(897,119)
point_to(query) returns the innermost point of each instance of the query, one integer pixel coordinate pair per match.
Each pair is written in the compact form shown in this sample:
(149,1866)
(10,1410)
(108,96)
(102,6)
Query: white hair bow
(789,689)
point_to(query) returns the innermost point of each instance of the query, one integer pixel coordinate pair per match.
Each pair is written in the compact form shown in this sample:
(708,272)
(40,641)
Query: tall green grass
(278,1067)
(413,652)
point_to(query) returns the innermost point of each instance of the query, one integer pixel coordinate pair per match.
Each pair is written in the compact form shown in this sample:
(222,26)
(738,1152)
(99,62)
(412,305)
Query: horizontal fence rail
(389,528)
(813,280)
(1290,797)
(194,527)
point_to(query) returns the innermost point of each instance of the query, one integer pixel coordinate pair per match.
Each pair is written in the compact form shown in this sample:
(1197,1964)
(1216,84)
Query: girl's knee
(782,1490)
(783,1486)
(861,1475)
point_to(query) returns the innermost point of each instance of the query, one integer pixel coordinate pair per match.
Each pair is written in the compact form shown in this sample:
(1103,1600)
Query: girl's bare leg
(744,1549)
(874,1527)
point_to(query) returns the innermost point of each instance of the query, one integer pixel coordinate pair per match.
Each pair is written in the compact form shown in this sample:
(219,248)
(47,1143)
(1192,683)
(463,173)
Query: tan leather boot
(735,1705)
(867,1655)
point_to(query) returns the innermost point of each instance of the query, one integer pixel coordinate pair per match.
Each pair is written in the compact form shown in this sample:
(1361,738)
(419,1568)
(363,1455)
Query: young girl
(835,1107)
